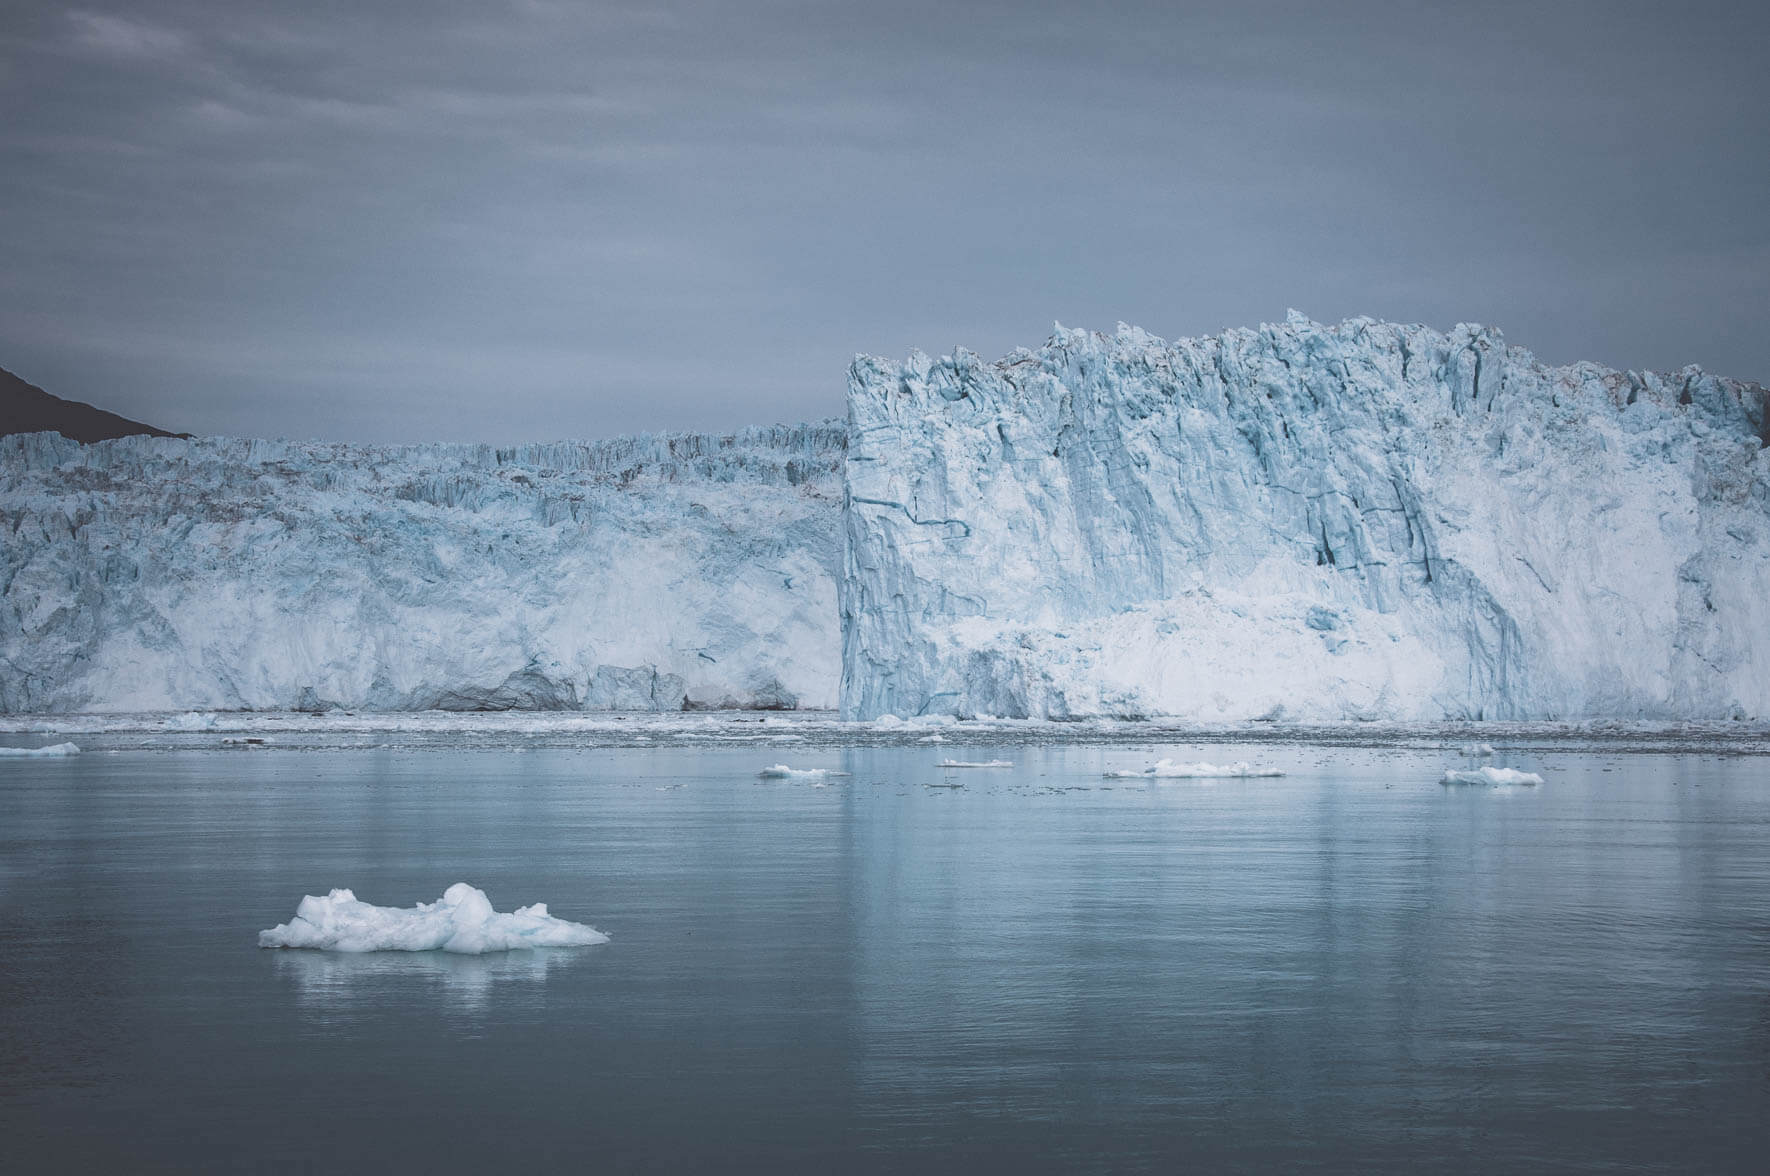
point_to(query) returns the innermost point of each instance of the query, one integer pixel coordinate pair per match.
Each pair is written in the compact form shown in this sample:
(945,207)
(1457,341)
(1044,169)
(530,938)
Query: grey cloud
(119,36)
(441,218)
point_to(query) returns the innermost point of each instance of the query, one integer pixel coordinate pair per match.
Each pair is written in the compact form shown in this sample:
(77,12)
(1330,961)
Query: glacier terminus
(1298,522)
(1303,522)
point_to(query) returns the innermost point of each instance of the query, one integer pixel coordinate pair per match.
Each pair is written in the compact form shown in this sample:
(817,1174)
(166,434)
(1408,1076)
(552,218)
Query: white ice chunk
(783,772)
(1476,750)
(462,920)
(1491,776)
(1169,769)
(951,763)
(51,752)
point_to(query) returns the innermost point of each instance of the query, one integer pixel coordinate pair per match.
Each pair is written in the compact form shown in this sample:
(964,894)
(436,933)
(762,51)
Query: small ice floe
(951,763)
(783,772)
(1477,750)
(1491,775)
(55,751)
(462,920)
(1169,769)
(932,739)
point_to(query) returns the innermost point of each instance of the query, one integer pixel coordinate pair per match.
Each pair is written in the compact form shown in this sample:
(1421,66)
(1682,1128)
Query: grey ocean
(1352,968)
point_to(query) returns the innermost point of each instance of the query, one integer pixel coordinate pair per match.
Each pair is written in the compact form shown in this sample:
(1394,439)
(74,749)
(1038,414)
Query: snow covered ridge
(461,921)
(643,573)
(1307,523)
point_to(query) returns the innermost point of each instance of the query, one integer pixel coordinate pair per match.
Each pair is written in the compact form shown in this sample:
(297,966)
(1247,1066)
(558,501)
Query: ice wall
(1369,520)
(640,573)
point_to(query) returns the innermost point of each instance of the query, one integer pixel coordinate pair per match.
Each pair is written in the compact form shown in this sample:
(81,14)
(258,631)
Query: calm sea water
(1349,969)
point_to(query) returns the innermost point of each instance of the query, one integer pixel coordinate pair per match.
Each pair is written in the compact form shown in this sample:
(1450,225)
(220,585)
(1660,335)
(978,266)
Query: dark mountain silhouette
(26,408)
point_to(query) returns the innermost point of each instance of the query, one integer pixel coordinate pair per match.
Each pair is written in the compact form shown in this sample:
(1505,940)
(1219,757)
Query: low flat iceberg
(1169,769)
(783,772)
(1491,776)
(952,763)
(461,921)
(54,751)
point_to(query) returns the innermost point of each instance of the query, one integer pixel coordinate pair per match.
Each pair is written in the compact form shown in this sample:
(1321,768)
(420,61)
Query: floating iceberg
(783,772)
(462,921)
(951,763)
(1476,750)
(1169,769)
(1491,776)
(52,752)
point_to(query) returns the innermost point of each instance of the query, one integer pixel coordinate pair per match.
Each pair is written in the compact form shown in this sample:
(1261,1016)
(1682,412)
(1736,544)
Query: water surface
(1351,968)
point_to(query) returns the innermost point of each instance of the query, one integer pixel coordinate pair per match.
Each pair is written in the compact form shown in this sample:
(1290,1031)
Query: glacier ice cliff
(1297,522)
(649,573)
(1307,522)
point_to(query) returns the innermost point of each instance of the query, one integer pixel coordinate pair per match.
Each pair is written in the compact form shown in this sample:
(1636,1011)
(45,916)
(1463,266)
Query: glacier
(1303,522)
(646,573)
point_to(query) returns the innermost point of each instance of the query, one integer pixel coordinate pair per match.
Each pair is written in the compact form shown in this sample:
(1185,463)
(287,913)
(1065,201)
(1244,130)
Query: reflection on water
(1350,968)
(331,984)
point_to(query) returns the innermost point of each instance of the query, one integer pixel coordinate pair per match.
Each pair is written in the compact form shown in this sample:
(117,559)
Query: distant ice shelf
(461,921)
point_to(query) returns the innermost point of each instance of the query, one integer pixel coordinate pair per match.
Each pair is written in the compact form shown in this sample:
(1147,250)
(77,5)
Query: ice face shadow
(329,982)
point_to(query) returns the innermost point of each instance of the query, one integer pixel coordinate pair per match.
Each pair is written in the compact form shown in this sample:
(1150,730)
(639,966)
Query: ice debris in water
(1169,769)
(1491,776)
(1476,750)
(462,921)
(52,752)
(952,763)
(783,772)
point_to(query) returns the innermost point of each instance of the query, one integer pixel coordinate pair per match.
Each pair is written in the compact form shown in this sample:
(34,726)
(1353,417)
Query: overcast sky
(509,219)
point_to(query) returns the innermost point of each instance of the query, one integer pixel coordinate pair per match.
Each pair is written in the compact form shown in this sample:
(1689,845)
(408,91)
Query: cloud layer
(497,221)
